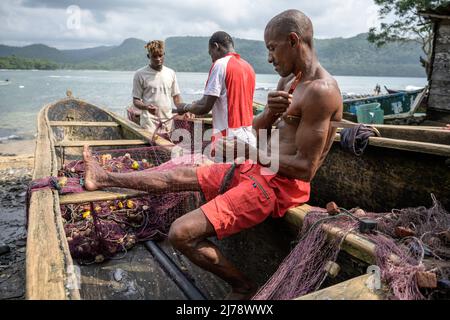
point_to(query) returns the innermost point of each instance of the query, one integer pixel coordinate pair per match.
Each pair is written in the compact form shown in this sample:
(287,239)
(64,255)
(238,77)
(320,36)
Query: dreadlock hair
(155,47)
(222,38)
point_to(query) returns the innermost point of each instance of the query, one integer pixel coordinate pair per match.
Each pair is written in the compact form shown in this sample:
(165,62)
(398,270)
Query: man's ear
(294,39)
(148,56)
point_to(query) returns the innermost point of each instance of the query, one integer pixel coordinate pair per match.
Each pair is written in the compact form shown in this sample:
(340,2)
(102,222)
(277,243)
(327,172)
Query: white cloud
(110,22)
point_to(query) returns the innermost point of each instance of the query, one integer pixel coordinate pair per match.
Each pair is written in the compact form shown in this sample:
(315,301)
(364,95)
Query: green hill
(341,56)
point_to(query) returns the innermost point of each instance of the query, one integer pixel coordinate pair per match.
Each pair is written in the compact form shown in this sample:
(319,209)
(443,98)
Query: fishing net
(99,230)
(402,241)
(302,271)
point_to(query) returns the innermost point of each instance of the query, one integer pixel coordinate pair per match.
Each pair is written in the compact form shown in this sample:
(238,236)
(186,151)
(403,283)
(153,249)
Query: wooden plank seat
(90,196)
(83,124)
(93,143)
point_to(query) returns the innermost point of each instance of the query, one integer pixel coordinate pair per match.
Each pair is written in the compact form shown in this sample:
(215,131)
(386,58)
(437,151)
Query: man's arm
(277,102)
(179,105)
(202,106)
(177,100)
(312,133)
(138,92)
(138,103)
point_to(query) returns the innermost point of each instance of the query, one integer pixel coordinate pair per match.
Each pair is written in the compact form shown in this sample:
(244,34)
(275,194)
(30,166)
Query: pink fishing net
(99,230)
(399,257)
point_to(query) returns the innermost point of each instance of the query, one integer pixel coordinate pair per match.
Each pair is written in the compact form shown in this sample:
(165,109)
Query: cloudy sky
(69,24)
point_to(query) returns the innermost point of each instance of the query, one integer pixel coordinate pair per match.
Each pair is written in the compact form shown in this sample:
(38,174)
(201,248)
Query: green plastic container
(370,113)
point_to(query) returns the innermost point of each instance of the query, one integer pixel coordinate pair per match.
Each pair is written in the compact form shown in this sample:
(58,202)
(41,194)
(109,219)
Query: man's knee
(179,235)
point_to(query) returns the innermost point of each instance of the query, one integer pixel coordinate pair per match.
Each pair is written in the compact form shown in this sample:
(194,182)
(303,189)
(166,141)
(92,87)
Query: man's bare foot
(95,175)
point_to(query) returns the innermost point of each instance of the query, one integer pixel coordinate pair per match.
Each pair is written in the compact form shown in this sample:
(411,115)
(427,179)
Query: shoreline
(206,72)
(15,176)
(16,154)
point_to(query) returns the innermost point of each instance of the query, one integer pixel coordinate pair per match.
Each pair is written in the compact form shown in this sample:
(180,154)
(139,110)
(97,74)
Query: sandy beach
(16,163)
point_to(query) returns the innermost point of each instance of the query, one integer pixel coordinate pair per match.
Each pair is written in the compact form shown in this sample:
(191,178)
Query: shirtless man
(305,134)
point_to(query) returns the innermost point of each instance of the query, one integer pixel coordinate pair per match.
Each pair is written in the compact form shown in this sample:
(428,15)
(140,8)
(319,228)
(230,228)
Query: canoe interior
(258,251)
(78,111)
(382,179)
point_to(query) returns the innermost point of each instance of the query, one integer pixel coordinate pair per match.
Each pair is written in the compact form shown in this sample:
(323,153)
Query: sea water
(27,91)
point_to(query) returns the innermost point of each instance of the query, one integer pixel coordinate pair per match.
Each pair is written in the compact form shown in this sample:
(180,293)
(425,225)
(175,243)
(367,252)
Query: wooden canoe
(51,273)
(65,126)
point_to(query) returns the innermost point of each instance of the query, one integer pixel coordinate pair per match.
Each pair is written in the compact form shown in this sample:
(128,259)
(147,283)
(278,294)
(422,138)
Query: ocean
(27,91)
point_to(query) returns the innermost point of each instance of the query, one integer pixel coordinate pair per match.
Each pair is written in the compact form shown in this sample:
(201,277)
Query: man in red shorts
(302,114)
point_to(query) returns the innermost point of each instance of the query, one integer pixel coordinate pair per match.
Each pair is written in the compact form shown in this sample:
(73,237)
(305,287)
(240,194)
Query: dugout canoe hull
(63,128)
(50,270)
(51,273)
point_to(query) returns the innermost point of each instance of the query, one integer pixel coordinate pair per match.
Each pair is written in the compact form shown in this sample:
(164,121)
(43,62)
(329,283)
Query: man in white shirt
(155,87)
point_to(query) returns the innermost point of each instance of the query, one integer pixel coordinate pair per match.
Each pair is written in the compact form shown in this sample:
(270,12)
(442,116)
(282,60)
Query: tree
(407,24)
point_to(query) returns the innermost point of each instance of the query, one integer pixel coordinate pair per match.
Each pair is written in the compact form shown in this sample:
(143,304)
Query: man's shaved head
(292,21)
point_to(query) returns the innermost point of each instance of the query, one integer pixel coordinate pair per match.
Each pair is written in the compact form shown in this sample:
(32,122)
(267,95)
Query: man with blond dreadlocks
(155,86)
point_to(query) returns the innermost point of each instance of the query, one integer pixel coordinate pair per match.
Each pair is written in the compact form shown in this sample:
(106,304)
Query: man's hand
(185,116)
(188,115)
(278,101)
(152,109)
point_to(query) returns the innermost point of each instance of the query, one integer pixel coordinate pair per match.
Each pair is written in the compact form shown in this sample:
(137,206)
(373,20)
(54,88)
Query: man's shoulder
(168,71)
(221,62)
(249,65)
(324,87)
(142,70)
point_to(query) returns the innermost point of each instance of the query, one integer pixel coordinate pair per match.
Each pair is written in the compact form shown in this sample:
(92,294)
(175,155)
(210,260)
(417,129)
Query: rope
(356,139)
(160,126)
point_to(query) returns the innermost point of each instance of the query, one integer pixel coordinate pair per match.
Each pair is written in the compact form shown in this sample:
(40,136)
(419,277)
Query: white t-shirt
(157,88)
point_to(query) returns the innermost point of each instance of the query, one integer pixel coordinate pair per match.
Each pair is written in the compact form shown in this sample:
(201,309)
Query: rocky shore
(15,174)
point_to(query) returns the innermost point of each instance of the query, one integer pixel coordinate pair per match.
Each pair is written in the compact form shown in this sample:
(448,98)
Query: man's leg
(189,235)
(178,179)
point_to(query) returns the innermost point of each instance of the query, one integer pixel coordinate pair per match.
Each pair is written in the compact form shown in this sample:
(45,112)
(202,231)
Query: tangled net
(99,230)
(403,239)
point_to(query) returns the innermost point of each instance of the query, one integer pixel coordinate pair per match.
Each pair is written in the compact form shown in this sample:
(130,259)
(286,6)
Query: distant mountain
(340,56)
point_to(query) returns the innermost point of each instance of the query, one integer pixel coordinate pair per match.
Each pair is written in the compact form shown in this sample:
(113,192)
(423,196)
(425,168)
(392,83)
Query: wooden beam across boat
(353,243)
(90,196)
(354,289)
(96,143)
(133,127)
(413,146)
(83,124)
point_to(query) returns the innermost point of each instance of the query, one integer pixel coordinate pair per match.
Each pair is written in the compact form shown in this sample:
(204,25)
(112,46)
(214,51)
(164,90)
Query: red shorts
(250,198)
